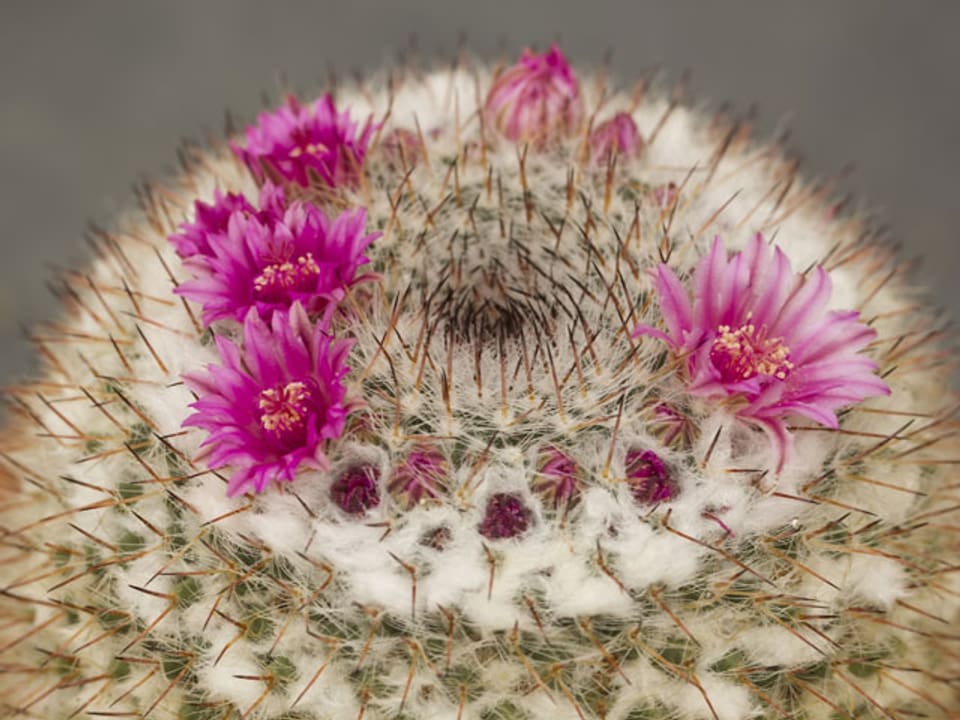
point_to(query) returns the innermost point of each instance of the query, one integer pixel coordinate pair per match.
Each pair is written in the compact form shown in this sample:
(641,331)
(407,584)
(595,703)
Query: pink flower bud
(616,136)
(419,477)
(558,480)
(537,100)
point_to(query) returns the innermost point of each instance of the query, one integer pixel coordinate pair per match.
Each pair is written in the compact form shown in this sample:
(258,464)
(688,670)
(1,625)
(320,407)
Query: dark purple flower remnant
(356,490)
(506,517)
(649,479)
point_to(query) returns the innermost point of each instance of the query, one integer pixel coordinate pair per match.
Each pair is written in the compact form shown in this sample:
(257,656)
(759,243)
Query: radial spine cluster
(485,394)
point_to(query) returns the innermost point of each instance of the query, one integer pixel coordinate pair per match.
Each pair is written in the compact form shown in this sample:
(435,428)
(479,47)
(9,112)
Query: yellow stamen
(284,408)
(742,353)
(309,149)
(286,275)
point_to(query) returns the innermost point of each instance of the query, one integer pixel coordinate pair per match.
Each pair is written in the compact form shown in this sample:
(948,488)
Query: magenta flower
(193,238)
(300,142)
(616,136)
(760,335)
(270,407)
(506,516)
(304,257)
(536,100)
(209,220)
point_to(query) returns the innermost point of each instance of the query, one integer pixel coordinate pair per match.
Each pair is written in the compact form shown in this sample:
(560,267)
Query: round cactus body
(485,394)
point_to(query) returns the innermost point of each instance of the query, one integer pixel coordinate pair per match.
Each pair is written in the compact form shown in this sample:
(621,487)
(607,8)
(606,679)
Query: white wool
(727,700)
(207,494)
(146,602)
(649,689)
(573,590)
(646,557)
(227,678)
(329,693)
(432,102)
(875,581)
(776,645)
(554,705)
(674,153)
(281,525)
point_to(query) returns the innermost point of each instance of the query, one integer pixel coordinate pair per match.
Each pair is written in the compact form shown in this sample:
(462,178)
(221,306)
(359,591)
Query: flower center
(284,408)
(289,275)
(746,352)
(308,149)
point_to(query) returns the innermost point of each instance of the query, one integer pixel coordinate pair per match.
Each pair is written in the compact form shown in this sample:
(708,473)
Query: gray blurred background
(95,95)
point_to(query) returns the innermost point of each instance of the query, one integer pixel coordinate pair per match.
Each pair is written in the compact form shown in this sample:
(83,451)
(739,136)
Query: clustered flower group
(280,271)
(276,273)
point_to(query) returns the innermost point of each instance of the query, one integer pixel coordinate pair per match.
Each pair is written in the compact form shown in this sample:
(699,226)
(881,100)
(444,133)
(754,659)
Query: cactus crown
(460,411)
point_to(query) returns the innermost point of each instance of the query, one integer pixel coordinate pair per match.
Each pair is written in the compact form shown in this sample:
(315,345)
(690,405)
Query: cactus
(507,434)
